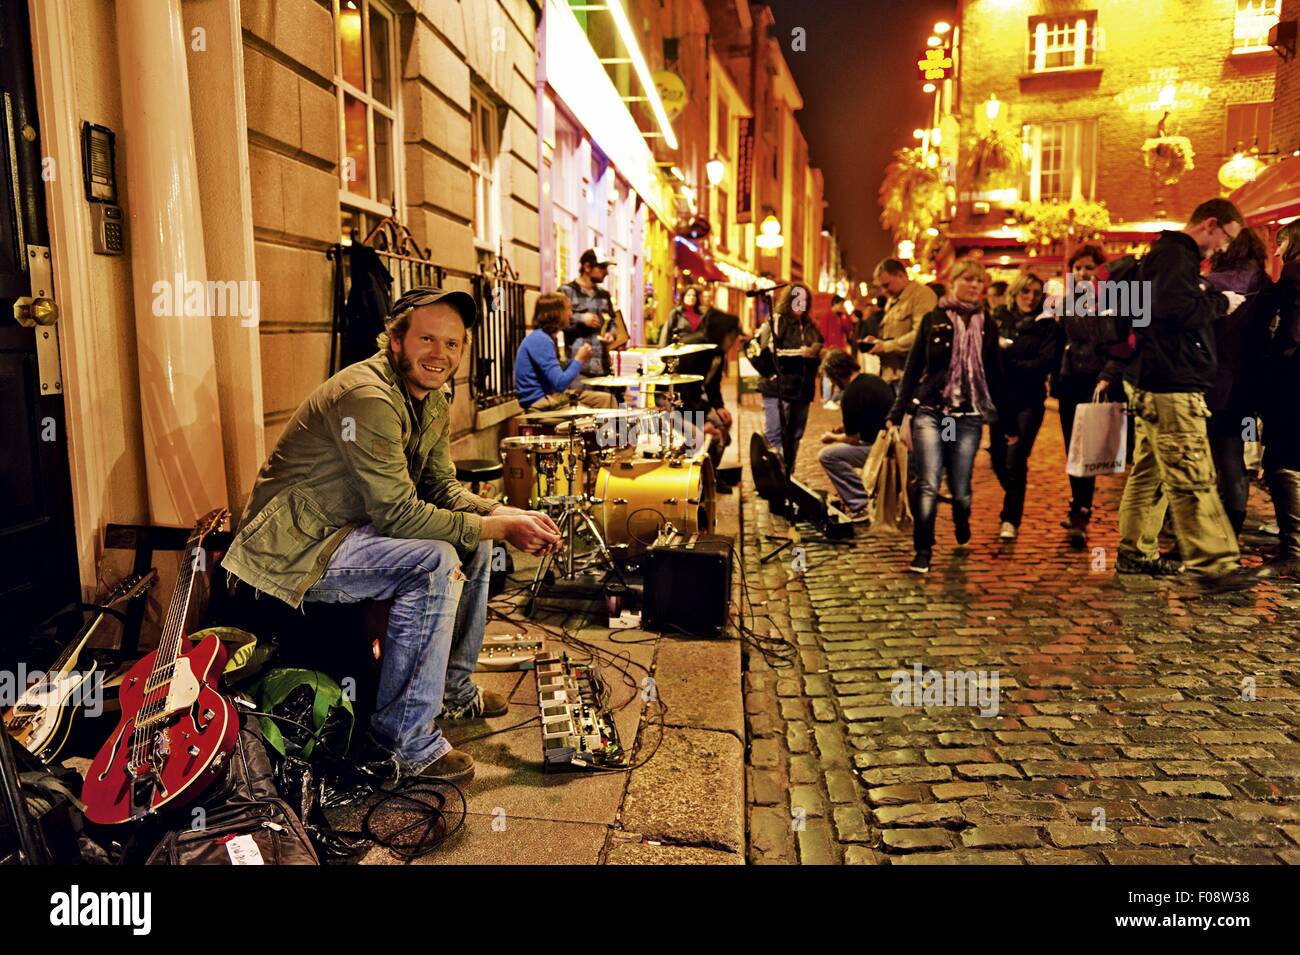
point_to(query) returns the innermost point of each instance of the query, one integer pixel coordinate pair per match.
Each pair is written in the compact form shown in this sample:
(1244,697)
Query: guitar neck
(73,649)
(169,645)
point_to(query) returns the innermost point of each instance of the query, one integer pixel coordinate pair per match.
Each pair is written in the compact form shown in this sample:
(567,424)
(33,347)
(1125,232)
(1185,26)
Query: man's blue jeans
(843,465)
(942,443)
(435,631)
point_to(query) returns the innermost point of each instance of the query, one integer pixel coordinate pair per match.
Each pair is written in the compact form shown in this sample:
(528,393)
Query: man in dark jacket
(1177,366)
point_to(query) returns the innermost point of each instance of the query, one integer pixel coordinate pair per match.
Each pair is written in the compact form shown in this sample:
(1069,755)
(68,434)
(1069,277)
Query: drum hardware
(575,515)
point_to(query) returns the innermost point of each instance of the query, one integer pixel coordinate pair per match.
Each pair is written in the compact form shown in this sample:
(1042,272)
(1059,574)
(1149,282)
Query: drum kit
(612,479)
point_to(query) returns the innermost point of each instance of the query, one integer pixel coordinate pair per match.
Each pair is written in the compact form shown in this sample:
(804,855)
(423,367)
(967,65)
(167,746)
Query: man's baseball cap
(462,302)
(592,259)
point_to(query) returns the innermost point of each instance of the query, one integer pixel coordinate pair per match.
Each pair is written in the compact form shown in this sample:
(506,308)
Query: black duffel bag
(246,820)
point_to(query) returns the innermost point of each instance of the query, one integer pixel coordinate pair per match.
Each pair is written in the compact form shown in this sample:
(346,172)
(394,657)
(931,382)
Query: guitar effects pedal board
(577,726)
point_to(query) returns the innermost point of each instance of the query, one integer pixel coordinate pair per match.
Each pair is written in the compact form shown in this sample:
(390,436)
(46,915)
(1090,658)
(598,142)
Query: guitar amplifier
(688,584)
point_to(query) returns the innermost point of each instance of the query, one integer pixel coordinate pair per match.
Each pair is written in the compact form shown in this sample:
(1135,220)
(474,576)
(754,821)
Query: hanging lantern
(1239,170)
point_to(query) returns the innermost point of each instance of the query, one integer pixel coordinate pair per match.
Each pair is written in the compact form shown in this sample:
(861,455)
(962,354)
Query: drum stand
(575,514)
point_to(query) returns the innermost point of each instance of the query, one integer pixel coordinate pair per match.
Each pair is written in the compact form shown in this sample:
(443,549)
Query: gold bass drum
(638,497)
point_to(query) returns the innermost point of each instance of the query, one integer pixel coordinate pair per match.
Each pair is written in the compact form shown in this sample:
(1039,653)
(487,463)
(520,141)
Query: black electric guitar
(42,719)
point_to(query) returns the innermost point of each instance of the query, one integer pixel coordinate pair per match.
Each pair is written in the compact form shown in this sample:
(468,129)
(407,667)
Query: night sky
(862,99)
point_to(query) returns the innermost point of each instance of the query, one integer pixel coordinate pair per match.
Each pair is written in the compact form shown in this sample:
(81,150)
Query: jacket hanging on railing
(357,323)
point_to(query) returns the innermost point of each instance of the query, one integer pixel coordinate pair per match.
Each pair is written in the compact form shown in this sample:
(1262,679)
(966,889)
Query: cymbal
(564,427)
(578,411)
(671,380)
(677,351)
(612,381)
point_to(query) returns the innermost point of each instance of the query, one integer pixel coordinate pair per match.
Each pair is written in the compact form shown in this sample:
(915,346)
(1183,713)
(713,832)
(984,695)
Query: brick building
(785,184)
(1286,114)
(1081,87)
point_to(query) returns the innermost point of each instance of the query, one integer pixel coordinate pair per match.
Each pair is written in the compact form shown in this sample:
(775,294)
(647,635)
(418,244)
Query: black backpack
(246,807)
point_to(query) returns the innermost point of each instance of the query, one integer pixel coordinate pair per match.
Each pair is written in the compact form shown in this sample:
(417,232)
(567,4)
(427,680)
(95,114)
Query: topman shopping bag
(1098,441)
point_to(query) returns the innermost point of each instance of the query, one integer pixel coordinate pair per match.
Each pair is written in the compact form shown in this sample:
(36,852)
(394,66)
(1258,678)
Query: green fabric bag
(276,685)
(245,658)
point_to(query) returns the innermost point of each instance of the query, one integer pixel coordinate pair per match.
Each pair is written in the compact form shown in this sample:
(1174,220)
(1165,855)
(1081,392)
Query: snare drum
(636,498)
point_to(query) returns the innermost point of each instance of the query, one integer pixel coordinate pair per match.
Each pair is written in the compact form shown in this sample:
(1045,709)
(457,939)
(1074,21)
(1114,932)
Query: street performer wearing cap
(359,501)
(594,319)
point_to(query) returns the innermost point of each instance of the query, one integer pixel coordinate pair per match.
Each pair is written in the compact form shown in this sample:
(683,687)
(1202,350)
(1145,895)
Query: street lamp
(934,41)
(928,88)
(993,107)
(942,27)
(715,169)
(769,234)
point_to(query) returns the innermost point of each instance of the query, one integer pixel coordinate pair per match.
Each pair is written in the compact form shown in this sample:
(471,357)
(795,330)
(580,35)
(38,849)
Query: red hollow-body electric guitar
(177,732)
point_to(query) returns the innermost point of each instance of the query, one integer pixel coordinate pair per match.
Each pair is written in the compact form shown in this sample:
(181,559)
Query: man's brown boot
(485,704)
(454,766)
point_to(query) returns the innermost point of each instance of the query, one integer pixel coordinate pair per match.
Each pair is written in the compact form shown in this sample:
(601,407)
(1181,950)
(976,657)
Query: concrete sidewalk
(685,805)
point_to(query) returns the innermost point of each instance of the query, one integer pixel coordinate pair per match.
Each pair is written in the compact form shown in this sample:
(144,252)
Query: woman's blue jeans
(942,443)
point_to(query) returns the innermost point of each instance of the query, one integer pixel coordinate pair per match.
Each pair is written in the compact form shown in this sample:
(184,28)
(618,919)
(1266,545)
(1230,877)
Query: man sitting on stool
(539,380)
(359,501)
(864,405)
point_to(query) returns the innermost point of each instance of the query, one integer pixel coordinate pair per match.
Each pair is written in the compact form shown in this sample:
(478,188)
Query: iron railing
(498,295)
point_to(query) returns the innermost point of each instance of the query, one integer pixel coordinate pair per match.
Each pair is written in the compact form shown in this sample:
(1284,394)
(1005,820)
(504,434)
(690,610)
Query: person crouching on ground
(865,401)
(951,386)
(539,380)
(359,501)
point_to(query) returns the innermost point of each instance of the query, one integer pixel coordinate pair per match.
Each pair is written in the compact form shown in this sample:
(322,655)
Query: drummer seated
(540,381)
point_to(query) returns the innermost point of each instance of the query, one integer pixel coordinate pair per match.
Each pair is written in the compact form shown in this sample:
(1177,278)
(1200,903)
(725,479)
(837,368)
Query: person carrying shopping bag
(952,385)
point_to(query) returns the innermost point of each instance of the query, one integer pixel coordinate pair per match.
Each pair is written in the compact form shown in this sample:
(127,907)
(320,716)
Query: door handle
(30,312)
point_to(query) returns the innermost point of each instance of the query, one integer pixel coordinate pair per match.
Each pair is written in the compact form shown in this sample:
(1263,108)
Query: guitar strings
(152,702)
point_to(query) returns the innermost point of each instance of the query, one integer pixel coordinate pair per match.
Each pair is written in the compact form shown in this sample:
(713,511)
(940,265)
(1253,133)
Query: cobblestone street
(1139,721)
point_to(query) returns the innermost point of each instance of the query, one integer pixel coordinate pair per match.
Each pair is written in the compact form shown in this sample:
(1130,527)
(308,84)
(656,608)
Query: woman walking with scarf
(951,387)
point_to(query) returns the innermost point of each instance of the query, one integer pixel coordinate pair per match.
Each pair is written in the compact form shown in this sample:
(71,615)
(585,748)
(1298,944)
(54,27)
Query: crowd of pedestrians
(1204,355)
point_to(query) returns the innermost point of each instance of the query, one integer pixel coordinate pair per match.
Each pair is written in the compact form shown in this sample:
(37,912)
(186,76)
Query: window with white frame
(1253,21)
(1061,161)
(1064,42)
(365,75)
(484,150)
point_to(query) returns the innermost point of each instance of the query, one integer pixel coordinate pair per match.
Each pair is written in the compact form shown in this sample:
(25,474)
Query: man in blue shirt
(540,381)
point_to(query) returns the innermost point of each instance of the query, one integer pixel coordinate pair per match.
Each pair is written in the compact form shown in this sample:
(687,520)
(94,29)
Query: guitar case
(244,818)
(768,470)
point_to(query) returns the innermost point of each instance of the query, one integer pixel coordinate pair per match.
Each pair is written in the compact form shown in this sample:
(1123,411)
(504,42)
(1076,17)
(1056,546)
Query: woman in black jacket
(1282,397)
(1240,341)
(951,386)
(1031,350)
(797,345)
(1078,379)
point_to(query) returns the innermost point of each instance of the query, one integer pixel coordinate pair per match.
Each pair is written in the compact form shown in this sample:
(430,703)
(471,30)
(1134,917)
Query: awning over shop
(1272,195)
(693,259)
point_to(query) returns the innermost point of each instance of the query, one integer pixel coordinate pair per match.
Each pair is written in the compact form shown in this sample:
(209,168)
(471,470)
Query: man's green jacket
(352,454)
